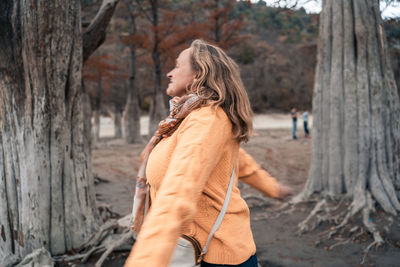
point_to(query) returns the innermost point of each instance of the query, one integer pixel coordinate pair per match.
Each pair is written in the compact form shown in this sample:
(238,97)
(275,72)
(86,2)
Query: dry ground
(277,242)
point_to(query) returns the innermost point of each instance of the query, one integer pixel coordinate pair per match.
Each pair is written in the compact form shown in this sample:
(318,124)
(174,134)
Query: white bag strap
(147,201)
(221,214)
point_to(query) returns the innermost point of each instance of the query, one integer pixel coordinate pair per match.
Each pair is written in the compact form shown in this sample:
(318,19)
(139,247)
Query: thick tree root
(114,235)
(105,211)
(39,257)
(378,241)
(122,240)
(293,204)
(103,232)
(304,225)
(282,209)
(373,244)
(8,260)
(352,221)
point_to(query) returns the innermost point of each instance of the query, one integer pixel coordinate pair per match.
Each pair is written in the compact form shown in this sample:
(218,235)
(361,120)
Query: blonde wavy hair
(218,83)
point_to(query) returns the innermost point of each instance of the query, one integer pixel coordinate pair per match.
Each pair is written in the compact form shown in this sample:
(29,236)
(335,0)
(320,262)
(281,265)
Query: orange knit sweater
(189,174)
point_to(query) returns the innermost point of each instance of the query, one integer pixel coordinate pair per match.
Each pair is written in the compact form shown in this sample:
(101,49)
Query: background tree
(166,31)
(46,184)
(114,104)
(277,56)
(356,132)
(131,116)
(158,109)
(221,27)
(101,73)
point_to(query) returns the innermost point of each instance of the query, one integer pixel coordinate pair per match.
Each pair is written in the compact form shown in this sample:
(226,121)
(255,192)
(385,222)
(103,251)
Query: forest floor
(275,233)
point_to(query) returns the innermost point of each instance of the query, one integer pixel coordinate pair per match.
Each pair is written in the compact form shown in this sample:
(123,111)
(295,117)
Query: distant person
(305,123)
(293,113)
(189,163)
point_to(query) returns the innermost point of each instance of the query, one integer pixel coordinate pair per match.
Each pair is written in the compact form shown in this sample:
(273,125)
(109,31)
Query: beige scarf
(180,107)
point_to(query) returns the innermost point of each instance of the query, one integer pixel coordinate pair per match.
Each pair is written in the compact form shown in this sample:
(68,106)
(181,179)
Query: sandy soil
(276,238)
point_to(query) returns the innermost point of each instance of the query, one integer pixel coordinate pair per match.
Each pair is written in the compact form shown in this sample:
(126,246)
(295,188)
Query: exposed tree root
(114,235)
(294,203)
(8,260)
(351,221)
(110,247)
(105,211)
(103,232)
(39,257)
(371,227)
(285,208)
(339,244)
(373,244)
(304,225)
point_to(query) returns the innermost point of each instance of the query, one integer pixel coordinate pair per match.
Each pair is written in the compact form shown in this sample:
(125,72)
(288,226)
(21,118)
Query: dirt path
(276,238)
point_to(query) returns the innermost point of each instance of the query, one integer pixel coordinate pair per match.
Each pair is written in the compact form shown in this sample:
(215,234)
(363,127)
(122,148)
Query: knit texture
(180,107)
(189,174)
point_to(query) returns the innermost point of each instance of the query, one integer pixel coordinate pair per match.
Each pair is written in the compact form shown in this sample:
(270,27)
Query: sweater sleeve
(252,174)
(201,138)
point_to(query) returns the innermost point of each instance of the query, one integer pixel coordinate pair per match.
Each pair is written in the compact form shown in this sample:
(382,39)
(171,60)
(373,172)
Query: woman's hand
(284,192)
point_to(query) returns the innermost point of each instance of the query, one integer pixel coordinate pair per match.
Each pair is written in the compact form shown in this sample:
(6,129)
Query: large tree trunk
(356,131)
(46,186)
(157,110)
(131,115)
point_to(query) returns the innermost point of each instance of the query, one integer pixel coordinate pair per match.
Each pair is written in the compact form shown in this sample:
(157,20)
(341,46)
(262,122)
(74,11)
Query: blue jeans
(306,128)
(294,128)
(251,262)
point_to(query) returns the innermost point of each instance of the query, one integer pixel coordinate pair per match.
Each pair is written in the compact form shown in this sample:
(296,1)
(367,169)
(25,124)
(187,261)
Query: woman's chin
(170,92)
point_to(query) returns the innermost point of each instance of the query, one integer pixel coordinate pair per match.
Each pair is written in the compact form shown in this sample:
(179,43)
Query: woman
(190,160)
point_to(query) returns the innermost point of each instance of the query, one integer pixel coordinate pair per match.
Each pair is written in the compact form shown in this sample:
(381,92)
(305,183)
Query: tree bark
(47,194)
(157,109)
(131,115)
(356,132)
(46,185)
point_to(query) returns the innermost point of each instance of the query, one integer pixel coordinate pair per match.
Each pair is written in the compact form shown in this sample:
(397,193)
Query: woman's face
(181,76)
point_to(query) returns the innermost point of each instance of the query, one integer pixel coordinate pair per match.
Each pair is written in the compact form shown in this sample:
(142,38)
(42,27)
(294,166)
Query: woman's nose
(169,74)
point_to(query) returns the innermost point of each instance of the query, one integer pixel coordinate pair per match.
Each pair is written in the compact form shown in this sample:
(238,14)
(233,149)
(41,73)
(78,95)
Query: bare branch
(95,34)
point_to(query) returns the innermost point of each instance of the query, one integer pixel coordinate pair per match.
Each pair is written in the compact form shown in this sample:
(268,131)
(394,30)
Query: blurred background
(274,43)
